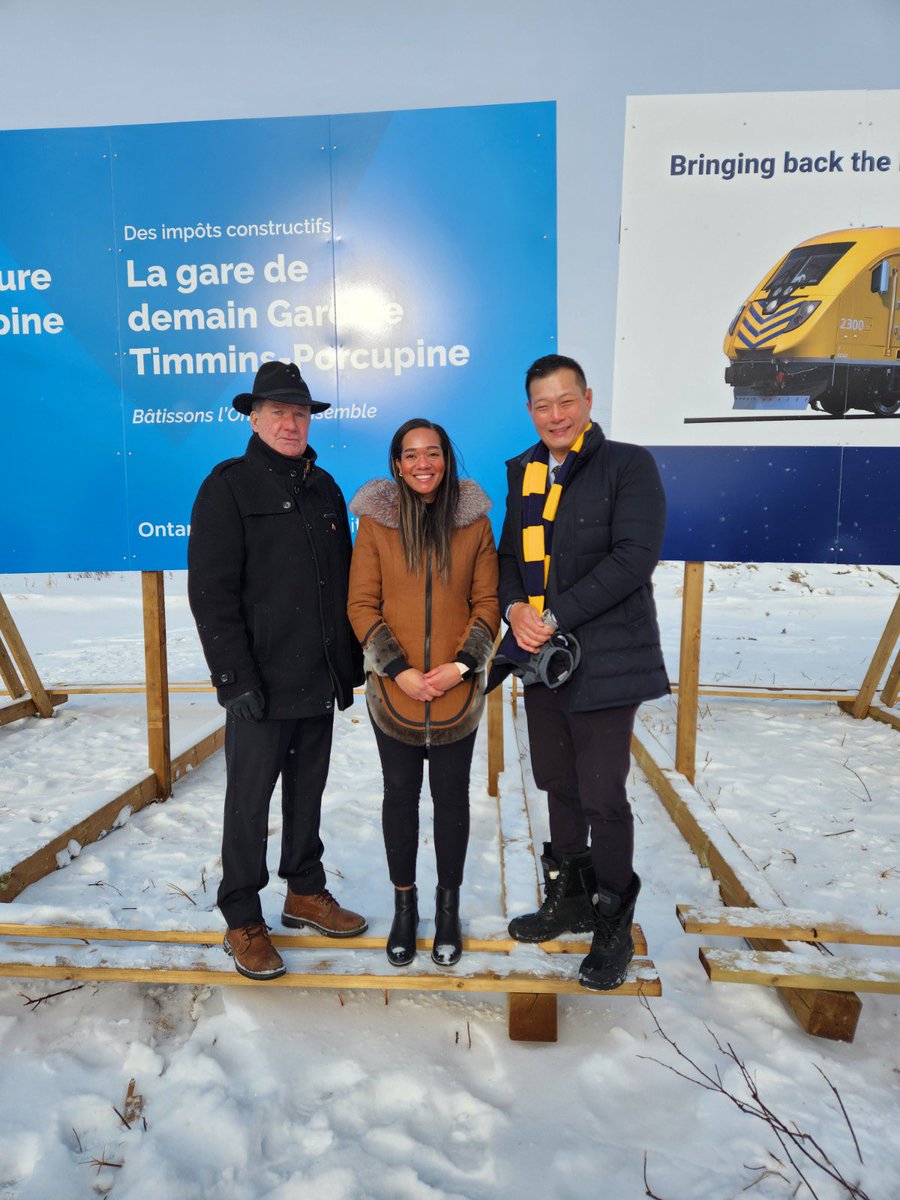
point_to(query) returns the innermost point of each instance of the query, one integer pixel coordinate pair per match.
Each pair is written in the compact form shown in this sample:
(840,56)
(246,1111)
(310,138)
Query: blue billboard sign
(405,261)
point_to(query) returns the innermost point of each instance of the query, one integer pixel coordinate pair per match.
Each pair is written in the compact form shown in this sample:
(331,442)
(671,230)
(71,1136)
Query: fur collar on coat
(379,499)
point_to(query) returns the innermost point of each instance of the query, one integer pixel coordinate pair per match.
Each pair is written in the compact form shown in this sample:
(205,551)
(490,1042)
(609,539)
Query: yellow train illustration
(822,328)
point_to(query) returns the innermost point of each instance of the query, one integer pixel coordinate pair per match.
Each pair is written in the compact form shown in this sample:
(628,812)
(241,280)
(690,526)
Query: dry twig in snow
(647,1192)
(37,1001)
(182,892)
(797,1145)
(847,767)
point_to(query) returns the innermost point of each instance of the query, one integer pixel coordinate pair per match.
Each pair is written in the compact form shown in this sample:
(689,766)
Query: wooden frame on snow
(689,689)
(314,961)
(531,976)
(793,925)
(823,1012)
(779,969)
(783,970)
(824,1008)
(28,697)
(150,787)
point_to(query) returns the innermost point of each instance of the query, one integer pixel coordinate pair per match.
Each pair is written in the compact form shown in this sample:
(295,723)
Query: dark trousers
(256,753)
(448,777)
(582,761)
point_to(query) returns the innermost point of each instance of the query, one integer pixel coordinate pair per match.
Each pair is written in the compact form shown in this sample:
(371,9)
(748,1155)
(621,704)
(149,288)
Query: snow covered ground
(277,1094)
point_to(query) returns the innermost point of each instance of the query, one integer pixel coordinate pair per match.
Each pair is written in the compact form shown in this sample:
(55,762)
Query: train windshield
(806,266)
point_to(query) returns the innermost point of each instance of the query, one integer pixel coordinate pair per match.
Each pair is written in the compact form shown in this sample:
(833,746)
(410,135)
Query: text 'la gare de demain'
(280,313)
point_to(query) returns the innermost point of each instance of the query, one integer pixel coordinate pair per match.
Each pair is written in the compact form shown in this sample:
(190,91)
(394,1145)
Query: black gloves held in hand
(249,706)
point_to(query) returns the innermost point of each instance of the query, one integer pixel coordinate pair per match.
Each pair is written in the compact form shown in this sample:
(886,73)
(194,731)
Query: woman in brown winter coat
(423,602)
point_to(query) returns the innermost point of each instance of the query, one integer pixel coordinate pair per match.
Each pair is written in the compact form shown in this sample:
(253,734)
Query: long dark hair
(421,521)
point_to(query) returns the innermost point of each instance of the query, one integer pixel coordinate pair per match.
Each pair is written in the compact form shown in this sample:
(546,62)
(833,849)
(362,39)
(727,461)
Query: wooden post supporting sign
(689,670)
(158,735)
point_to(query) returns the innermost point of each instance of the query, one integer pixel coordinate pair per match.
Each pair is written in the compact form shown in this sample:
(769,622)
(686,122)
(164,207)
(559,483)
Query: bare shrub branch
(801,1149)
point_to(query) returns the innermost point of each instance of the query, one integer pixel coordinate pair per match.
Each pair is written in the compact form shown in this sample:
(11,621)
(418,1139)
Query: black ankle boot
(566,907)
(401,944)
(612,948)
(447,948)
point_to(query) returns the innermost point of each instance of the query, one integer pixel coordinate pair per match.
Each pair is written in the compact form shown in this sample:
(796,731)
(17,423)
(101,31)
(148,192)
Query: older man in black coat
(583,531)
(268,564)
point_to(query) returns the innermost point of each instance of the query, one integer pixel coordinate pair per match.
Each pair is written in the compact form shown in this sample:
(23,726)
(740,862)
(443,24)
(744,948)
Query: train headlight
(737,317)
(803,312)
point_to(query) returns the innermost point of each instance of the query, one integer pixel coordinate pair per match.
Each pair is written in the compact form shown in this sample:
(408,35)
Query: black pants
(448,777)
(256,753)
(582,761)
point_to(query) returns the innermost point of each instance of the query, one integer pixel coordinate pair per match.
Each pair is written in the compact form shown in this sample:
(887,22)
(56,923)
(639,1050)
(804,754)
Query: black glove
(249,706)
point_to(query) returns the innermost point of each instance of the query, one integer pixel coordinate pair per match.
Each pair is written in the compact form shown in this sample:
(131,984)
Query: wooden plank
(642,979)
(892,685)
(289,941)
(881,714)
(495,739)
(838,974)
(531,1017)
(22,658)
(880,659)
(754,692)
(213,937)
(198,753)
(829,1014)
(158,730)
(26,707)
(730,885)
(128,689)
(16,710)
(792,925)
(87,830)
(9,675)
(689,670)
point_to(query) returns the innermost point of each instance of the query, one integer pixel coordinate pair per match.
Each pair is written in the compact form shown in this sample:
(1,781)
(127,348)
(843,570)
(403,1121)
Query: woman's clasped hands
(428,685)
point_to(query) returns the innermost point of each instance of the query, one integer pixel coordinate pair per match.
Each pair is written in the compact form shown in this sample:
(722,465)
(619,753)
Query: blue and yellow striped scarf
(538,514)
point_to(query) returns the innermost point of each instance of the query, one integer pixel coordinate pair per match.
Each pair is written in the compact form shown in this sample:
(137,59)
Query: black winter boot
(566,907)
(612,948)
(401,944)
(447,948)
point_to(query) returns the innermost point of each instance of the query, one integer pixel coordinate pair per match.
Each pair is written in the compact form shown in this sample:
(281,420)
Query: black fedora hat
(278,381)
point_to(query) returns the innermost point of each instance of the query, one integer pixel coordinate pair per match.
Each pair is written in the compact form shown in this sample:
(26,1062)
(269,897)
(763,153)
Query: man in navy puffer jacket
(597,538)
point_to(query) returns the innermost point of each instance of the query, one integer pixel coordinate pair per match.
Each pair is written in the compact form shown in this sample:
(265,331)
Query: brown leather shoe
(253,952)
(322,912)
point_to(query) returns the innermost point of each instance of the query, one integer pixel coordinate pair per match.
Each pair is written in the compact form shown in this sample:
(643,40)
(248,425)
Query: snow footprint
(441,1131)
